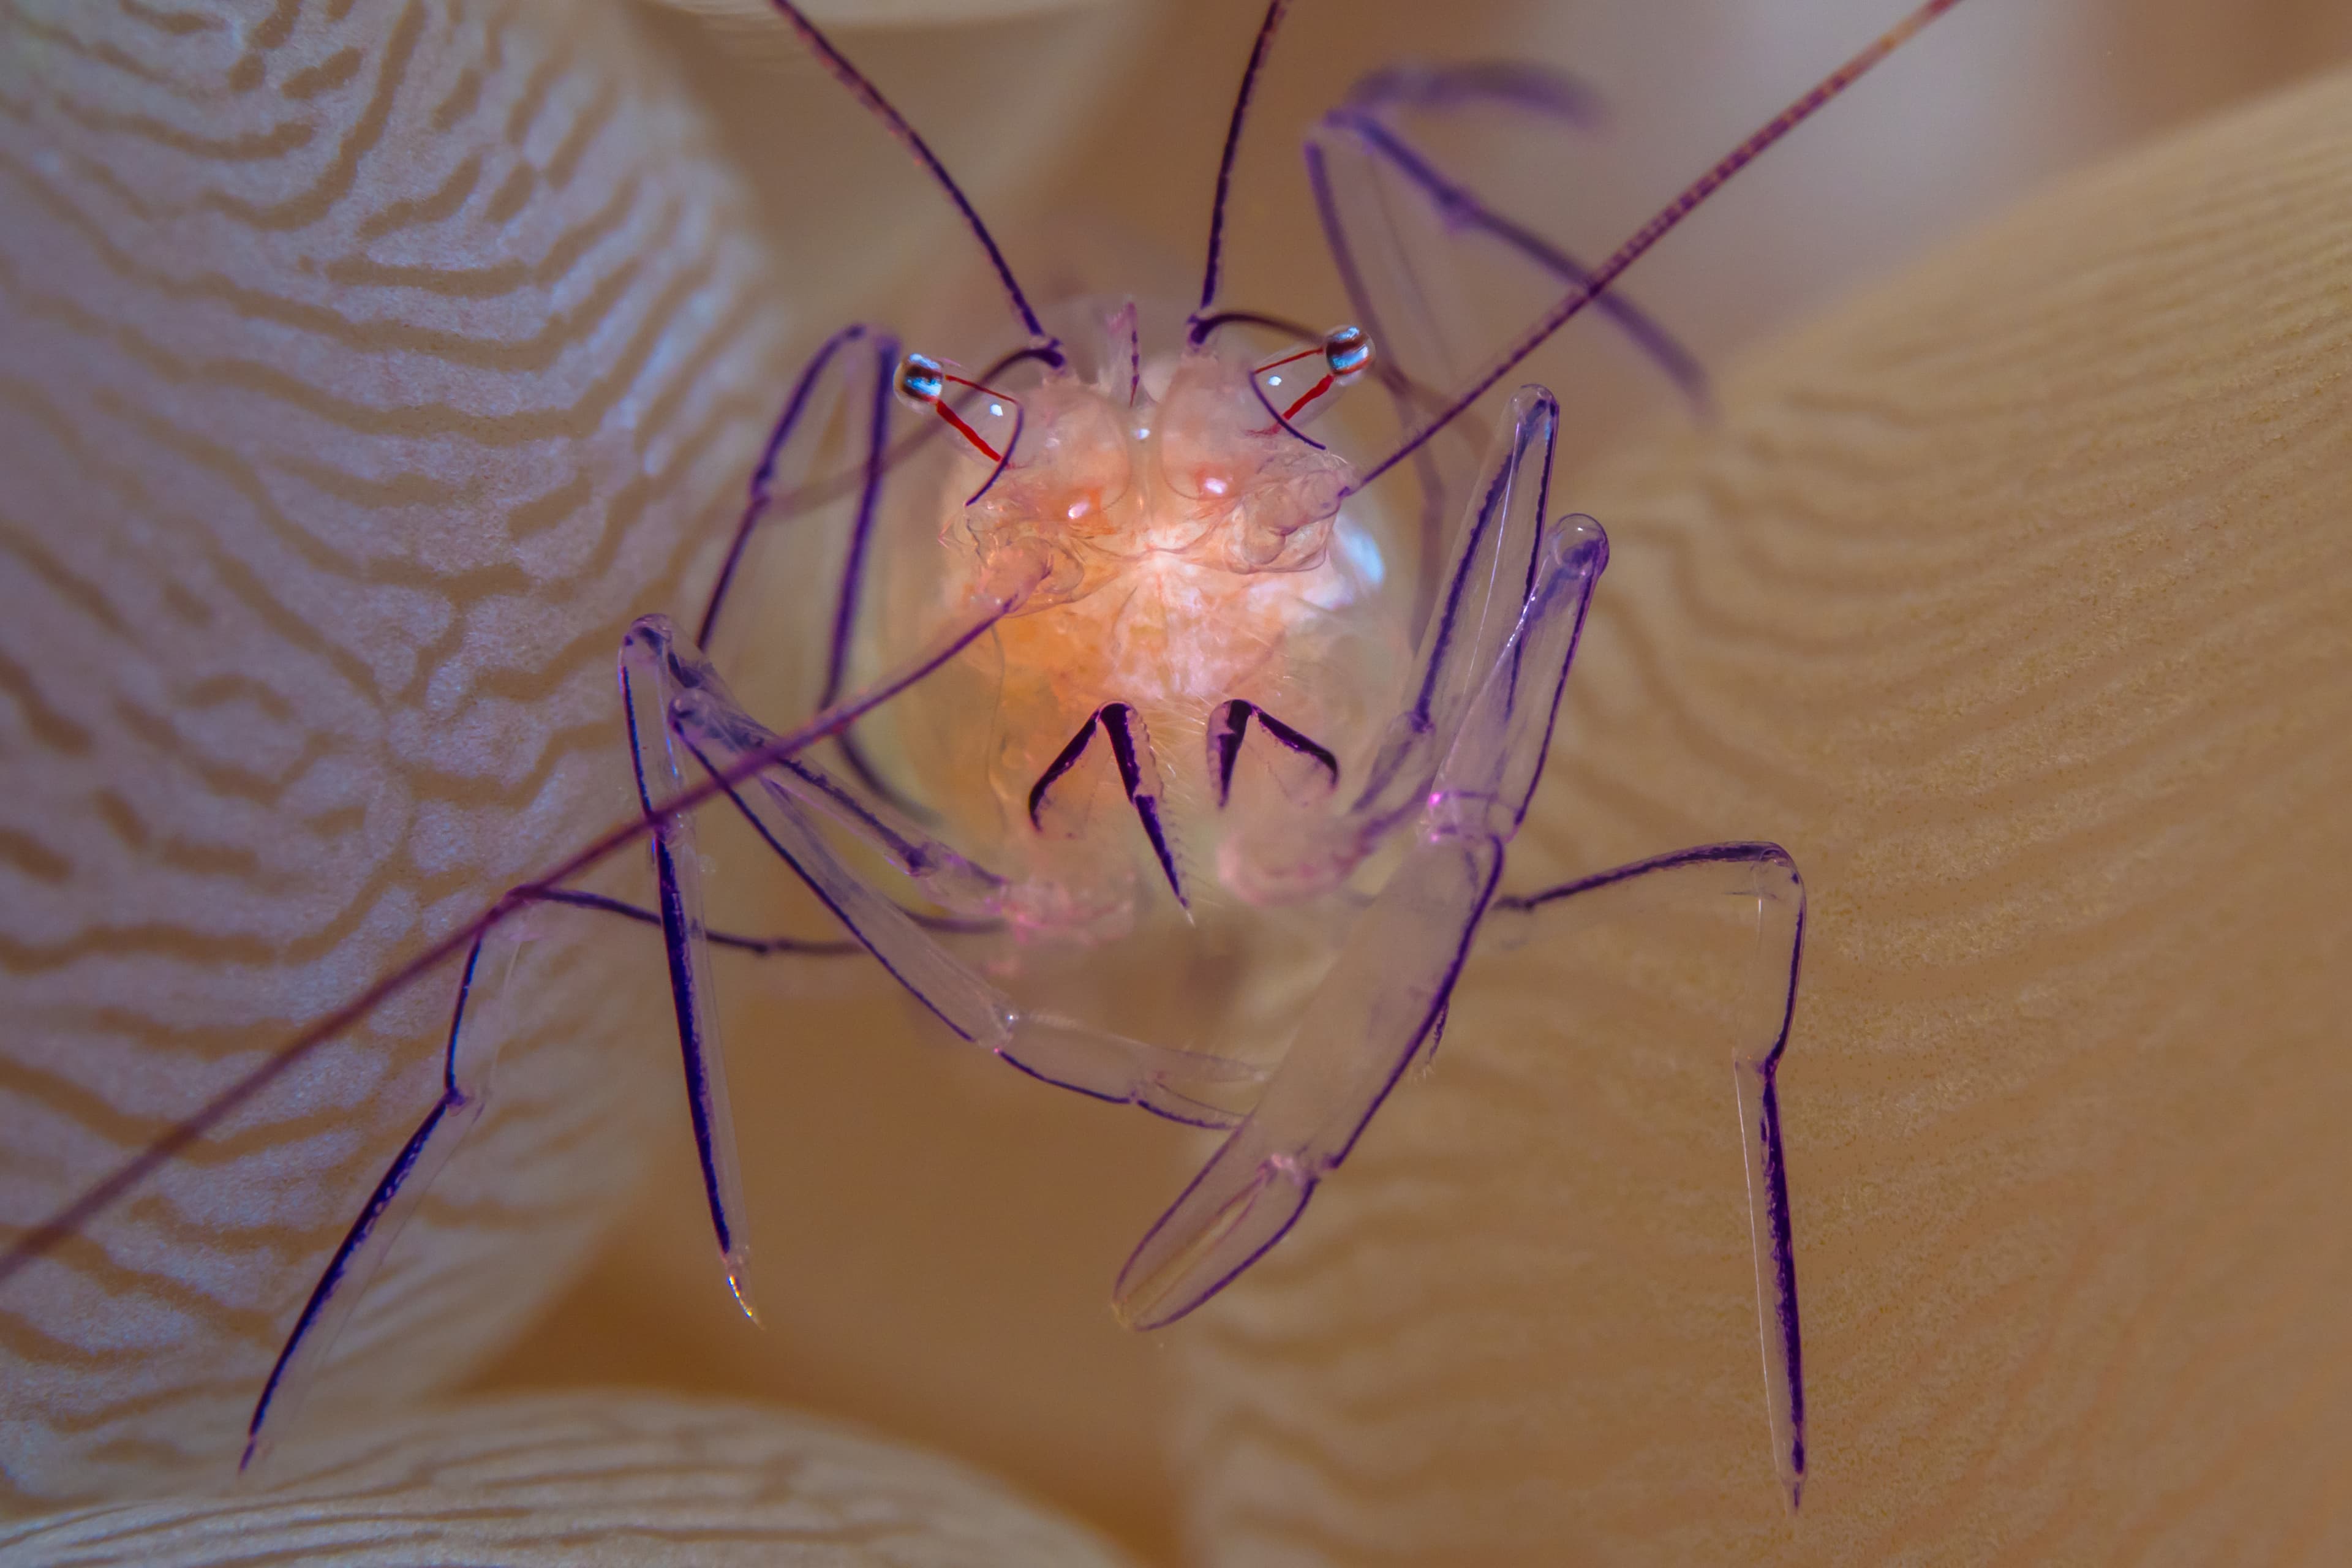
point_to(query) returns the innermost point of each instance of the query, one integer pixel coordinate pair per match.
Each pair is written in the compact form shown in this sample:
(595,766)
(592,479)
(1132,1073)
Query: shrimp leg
(464,1077)
(677,876)
(854,366)
(854,350)
(1182,1086)
(971,893)
(651,677)
(1360,160)
(1765,873)
(1480,598)
(852,371)
(1394,978)
(467,1061)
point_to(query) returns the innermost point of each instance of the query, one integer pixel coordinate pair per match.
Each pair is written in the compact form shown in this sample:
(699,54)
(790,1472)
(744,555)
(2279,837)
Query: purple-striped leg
(1479,600)
(1189,1087)
(853,366)
(1766,874)
(651,681)
(678,877)
(465,1078)
(667,670)
(467,1060)
(654,683)
(1395,976)
(1364,166)
(849,374)
(1396,223)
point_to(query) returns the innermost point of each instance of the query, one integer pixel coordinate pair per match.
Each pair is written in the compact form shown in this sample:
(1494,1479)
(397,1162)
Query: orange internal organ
(1193,562)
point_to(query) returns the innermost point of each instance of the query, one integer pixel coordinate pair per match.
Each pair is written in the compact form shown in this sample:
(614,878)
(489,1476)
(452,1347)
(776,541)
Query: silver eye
(921,381)
(1347,351)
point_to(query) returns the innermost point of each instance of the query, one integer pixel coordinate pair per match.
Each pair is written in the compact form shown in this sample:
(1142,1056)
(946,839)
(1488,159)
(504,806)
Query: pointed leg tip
(1136,1305)
(1216,1231)
(1145,1306)
(739,1283)
(1135,1299)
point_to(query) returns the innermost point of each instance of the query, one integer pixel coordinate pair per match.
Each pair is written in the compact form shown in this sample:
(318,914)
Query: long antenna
(865,91)
(1667,216)
(1266,31)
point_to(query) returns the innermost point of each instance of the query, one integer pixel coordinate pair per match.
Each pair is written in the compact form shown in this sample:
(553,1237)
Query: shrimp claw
(1182,1086)
(1492,678)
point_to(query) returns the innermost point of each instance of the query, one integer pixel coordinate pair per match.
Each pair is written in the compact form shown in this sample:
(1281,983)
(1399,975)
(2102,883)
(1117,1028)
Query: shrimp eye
(1347,351)
(921,380)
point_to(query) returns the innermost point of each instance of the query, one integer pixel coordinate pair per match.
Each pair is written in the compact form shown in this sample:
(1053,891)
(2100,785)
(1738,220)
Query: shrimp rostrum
(1125,644)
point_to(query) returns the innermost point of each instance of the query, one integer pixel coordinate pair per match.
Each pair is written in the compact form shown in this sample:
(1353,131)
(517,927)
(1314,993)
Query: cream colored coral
(2015,598)
(2010,599)
(584,1480)
(364,372)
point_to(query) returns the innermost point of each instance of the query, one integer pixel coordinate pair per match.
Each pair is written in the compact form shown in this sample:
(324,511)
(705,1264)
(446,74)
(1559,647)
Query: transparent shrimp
(1122,644)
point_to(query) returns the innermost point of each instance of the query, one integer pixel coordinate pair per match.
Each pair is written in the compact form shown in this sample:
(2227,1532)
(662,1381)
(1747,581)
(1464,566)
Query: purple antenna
(865,91)
(1266,31)
(1664,222)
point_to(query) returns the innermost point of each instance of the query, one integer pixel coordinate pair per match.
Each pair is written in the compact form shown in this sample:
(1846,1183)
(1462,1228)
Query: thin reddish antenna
(865,91)
(1266,31)
(1667,216)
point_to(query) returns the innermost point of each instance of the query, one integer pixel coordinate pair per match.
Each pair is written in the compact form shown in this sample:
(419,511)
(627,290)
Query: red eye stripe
(931,395)
(966,431)
(1310,395)
(1287,359)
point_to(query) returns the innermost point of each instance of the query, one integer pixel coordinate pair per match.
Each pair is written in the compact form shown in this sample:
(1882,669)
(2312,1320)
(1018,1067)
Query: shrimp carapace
(1199,556)
(1149,576)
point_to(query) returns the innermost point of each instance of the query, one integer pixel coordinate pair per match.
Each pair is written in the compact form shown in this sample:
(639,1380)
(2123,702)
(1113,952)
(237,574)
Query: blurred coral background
(950,1236)
(935,1238)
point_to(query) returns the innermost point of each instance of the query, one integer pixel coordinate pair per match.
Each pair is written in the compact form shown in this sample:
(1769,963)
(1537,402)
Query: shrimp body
(1145,577)
(1196,554)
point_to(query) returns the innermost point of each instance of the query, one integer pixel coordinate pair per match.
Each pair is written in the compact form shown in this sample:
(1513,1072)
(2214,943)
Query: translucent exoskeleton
(1123,644)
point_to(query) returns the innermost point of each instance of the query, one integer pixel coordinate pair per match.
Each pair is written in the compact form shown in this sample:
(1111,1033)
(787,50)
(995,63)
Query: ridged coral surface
(366,368)
(2012,599)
